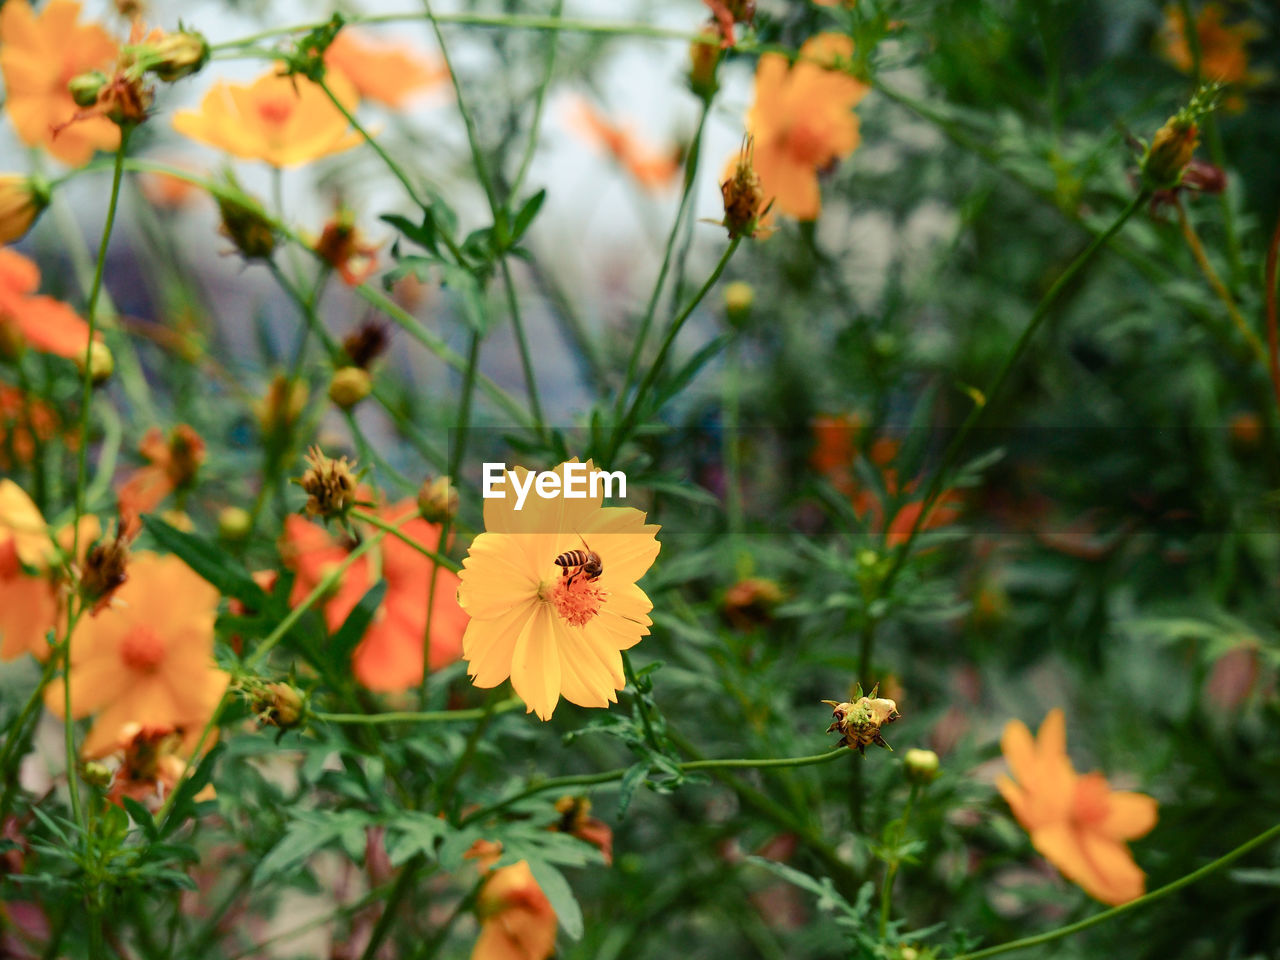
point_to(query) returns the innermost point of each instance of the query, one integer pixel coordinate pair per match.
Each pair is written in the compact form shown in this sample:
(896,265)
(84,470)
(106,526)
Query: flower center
(275,111)
(807,144)
(142,649)
(1091,800)
(576,602)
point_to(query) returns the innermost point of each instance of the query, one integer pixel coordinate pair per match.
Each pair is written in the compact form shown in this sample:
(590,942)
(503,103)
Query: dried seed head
(106,566)
(859,720)
(744,200)
(366,343)
(437,499)
(330,485)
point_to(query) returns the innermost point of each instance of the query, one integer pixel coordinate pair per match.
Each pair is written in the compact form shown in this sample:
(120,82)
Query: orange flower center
(807,143)
(1091,800)
(577,602)
(275,111)
(142,649)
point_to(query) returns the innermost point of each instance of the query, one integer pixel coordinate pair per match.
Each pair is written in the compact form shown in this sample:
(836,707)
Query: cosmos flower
(389,657)
(517,921)
(1075,820)
(802,121)
(386,72)
(284,121)
(172,465)
(552,633)
(42,323)
(39,55)
(1223,47)
(147,659)
(651,167)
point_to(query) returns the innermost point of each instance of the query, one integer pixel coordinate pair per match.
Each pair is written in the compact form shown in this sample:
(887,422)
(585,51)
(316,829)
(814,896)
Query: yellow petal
(1129,815)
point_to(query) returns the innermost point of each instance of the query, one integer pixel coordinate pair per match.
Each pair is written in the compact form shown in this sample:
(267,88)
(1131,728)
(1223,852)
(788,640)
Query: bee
(579,562)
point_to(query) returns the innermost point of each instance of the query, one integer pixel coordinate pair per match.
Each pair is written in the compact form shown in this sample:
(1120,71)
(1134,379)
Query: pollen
(577,602)
(142,649)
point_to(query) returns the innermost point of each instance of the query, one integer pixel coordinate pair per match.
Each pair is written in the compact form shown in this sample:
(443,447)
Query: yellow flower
(22,199)
(147,659)
(1076,821)
(285,121)
(552,632)
(39,57)
(802,121)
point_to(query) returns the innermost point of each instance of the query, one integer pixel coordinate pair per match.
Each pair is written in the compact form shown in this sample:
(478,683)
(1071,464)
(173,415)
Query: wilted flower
(1076,821)
(172,466)
(343,248)
(744,199)
(365,344)
(576,820)
(552,633)
(330,485)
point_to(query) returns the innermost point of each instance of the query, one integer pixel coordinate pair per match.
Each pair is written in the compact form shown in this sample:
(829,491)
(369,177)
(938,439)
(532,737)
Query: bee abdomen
(572,558)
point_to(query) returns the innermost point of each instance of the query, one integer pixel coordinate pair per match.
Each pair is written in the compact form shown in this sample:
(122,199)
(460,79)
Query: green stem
(1227,858)
(396,170)
(891,868)
(374,520)
(623,429)
(431,716)
(609,776)
(548,70)
(979,409)
(1215,282)
(522,342)
(387,919)
(646,321)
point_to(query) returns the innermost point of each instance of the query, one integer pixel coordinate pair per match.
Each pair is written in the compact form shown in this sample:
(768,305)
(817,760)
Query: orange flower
(24,422)
(386,72)
(389,658)
(148,658)
(31,601)
(576,820)
(172,465)
(285,121)
(650,167)
(553,632)
(1222,46)
(150,766)
(39,56)
(516,919)
(1076,821)
(43,323)
(166,191)
(802,121)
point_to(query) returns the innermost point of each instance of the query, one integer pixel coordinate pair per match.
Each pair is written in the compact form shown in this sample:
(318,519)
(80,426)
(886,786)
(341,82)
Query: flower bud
(85,87)
(1170,152)
(738,300)
(743,196)
(95,774)
(247,226)
(234,523)
(281,406)
(280,705)
(22,200)
(704,58)
(349,386)
(330,485)
(921,766)
(178,55)
(101,363)
(437,499)
(105,570)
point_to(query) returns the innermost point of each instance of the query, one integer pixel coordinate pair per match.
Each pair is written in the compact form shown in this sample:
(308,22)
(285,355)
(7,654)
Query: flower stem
(891,868)
(623,429)
(1219,288)
(609,776)
(374,520)
(646,322)
(431,716)
(1227,858)
(548,71)
(1269,293)
(979,409)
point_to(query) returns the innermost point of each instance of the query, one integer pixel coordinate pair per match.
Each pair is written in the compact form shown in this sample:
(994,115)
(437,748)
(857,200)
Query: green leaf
(470,298)
(560,895)
(208,560)
(674,384)
(142,817)
(525,217)
(304,837)
(414,833)
(631,782)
